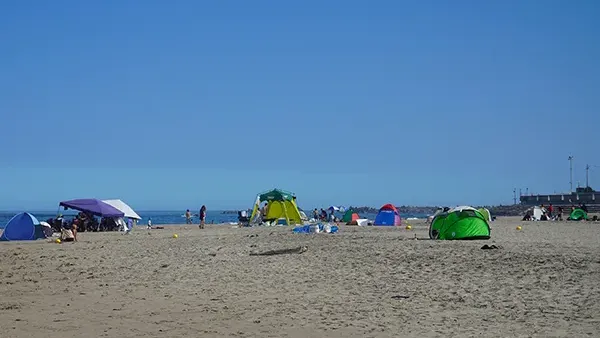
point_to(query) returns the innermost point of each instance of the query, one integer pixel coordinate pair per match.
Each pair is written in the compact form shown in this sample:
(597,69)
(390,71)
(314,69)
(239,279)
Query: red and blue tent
(388,215)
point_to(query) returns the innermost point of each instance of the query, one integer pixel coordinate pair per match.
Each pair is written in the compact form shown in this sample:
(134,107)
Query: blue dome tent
(22,227)
(388,215)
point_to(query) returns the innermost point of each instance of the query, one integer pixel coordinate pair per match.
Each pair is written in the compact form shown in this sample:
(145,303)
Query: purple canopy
(93,206)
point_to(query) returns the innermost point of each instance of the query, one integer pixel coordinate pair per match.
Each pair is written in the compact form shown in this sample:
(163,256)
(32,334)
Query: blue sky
(170,105)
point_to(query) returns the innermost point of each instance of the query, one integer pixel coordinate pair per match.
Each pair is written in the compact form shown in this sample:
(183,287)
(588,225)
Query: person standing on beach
(560,213)
(129,225)
(323,215)
(188,217)
(202,215)
(263,210)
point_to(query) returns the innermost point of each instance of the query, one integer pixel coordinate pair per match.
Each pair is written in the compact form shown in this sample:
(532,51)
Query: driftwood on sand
(298,250)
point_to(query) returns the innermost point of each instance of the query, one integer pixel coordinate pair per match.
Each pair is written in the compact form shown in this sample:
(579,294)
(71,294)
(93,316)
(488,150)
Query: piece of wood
(298,250)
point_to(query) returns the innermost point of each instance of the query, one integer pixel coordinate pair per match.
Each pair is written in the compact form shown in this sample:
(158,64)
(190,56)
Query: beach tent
(47,229)
(437,212)
(350,216)
(22,227)
(460,223)
(124,208)
(303,216)
(92,206)
(486,213)
(387,215)
(334,208)
(281,205)
(578,215)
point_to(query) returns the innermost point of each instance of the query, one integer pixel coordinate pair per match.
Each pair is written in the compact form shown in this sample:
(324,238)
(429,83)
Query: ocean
(169,217)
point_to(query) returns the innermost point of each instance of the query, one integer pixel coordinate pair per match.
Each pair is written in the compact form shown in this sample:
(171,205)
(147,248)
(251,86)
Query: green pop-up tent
(281,205)
(578,215)
(460,223)
(350,216)
(486,213)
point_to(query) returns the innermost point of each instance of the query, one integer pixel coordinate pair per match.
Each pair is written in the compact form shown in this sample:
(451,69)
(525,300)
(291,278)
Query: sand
(543,281)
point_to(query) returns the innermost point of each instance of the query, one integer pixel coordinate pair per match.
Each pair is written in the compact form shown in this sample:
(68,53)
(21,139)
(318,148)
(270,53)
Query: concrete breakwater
(495,210)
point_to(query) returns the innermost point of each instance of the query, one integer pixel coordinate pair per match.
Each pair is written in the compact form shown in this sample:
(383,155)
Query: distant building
(586,195)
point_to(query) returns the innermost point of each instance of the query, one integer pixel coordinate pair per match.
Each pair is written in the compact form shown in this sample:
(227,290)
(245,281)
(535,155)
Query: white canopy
(461,208)
(537,213)
(123,207)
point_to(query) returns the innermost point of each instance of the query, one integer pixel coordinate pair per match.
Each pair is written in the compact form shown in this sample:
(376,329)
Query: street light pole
(587,175)
(571,172)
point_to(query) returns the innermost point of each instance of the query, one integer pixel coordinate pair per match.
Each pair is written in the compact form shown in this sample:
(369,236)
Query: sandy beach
(543,281)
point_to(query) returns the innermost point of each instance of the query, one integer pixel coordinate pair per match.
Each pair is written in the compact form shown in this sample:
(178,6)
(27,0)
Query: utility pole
(571,172)
(515,196)
(587,176)
(520,192)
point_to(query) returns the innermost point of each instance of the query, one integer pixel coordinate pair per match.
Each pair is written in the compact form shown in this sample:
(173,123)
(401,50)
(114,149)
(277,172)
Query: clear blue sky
(174,104)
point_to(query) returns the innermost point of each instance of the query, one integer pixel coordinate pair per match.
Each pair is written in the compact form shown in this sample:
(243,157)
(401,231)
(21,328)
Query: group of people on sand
(322,215)
(258,217)
(201,215)
(319,215)
(549,214)
(261,215)
(83,222)
(68,229)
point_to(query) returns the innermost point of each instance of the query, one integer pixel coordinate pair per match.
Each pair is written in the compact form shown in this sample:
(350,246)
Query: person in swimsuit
(68,233)
(188,217)
(202,215)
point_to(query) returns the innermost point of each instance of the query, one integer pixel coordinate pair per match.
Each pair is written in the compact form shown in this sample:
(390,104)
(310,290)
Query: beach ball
(408,227)
(175,235)
(519,227)
(57,241)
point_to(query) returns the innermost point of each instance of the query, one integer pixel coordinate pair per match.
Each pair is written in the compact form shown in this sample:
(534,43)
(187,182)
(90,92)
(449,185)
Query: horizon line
(237,209)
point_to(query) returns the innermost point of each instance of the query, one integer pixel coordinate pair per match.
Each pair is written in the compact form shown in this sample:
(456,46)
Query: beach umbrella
(92,206)
(123,207)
